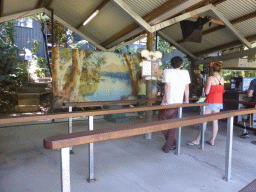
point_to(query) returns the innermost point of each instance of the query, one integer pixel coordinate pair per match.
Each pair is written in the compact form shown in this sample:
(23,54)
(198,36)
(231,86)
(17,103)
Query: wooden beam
(1,8)
(84,137)
(234,21)
(97,8)
(10,120)
(225,46)
(49,4)
(238,54)
(152,15)
(40,4)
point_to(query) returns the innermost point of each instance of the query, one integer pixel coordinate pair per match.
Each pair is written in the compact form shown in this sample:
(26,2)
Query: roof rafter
(133,14)
(182,17)
(40,3)
(66,24)
(232,28)
(1,8)
(49,4)
(182,49)
(224,46)
(152,15)
(237,54)
(234,21)
(97,8)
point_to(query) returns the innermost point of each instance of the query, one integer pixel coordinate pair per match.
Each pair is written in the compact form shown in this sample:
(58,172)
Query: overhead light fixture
(91,17)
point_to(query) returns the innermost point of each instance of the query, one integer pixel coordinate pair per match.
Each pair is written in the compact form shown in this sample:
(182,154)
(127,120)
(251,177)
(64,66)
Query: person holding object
(176,84)
(214,96)
(250,93)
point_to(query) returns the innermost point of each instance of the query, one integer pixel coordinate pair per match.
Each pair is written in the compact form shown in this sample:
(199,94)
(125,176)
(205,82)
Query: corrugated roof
(112,19)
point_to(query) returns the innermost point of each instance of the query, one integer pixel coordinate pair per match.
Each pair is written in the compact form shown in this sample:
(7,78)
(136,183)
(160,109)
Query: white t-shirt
(177,79)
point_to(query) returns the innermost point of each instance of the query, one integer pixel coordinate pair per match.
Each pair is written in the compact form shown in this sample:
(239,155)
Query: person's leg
(198,138)
(170,134)
(215,128)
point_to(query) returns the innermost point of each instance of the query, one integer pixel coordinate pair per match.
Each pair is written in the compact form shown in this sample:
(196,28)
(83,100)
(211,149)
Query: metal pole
(70,127)
(149,114)
(91,154)
(203,129)
(229,142)
(179,132)
(65,170)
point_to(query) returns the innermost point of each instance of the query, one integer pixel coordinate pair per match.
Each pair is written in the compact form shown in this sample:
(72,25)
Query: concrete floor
(128,164)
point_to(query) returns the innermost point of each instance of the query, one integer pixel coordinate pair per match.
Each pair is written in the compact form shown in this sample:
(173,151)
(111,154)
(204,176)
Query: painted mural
(80,76)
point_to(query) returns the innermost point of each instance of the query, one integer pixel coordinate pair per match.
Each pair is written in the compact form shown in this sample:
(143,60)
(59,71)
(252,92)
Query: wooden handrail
(9,120)
(113,102)
(117,102)
(80,138)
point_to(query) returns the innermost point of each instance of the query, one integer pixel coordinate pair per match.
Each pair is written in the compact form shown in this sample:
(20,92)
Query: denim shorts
(214,106)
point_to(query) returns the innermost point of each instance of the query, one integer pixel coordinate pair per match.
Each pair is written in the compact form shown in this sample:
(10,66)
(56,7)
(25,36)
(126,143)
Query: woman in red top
(214,96)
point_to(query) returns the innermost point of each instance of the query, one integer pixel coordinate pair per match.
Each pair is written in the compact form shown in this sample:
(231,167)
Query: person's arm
(167,92)
(186,93)
(249,93)
(208,86)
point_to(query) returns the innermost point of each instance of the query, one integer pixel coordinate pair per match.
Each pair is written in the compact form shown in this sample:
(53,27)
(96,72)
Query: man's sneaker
(245,135)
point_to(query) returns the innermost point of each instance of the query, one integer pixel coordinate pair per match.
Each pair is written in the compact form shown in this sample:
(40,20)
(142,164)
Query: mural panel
(80,76)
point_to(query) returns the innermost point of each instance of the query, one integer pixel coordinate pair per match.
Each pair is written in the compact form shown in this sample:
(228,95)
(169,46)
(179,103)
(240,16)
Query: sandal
(192,143)
(208,142)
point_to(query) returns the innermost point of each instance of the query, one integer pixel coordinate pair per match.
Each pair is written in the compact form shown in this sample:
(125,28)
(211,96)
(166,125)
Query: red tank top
(216,94)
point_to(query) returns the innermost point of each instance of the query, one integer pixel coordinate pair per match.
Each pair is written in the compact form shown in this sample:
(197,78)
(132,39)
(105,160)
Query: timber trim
(80,138)
(1,8)
(225,46)
(11,120)
(40,4)
(98,8)
(152,15)
(49,4)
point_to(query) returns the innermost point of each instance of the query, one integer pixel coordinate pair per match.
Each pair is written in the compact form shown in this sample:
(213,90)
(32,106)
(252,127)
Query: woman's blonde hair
(216,66)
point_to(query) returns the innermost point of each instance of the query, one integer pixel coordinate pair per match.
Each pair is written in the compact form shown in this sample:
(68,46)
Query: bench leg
(179,132)
(70,127)
(203,129)
(65,170)
(91,154)
(229,142)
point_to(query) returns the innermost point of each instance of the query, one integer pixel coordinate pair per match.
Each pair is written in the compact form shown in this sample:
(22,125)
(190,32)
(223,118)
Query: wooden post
(149,114)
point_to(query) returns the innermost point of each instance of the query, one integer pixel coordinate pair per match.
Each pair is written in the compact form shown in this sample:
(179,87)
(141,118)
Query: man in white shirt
(176,85)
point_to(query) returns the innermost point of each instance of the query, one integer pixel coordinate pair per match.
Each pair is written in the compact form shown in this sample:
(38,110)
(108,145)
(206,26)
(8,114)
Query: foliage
(9,77)
(164,46)
(36,45)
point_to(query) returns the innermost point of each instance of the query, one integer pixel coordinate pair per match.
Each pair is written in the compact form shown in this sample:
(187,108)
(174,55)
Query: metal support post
(229,142)
(70,127)
(203,129)
(149,114)
(179,132)
(91,154)
(65,170)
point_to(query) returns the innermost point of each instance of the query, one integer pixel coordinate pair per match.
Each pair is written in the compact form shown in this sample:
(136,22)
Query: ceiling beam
(152,15)
(233,22)
(182,17)
(1,8)
(21,14)
(61,21)
(97,8)
(232,28)
(224,46)
(40,4)
(175,44)
(133,14)
(238,54)
(127,42)
(49,4)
